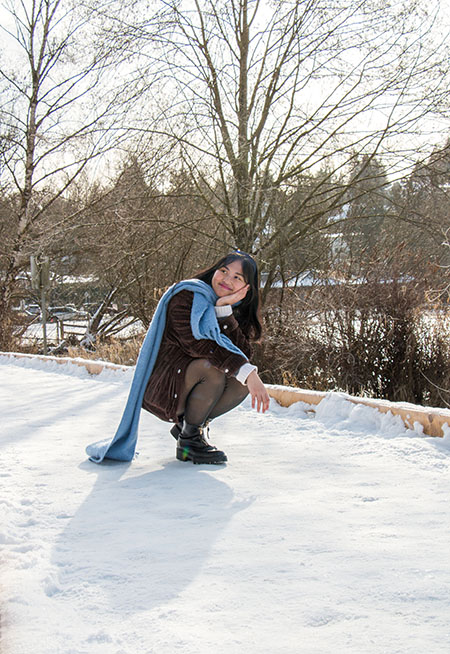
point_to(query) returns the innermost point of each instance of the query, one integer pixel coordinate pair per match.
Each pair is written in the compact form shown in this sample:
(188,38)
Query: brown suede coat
(179,347)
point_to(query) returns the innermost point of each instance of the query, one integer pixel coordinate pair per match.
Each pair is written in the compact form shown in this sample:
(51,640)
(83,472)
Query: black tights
(208,393)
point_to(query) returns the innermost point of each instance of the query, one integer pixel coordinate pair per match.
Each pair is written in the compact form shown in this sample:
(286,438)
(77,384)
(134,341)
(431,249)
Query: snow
(326,532)
(34,334)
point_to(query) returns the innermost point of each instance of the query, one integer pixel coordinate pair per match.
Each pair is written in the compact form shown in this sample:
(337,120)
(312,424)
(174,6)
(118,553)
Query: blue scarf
(203,324)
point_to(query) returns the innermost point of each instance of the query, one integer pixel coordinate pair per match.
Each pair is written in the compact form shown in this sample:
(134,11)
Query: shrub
(375,337)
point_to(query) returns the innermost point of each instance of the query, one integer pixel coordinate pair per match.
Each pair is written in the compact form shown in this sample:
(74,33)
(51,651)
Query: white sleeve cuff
(223,312)
(244,372)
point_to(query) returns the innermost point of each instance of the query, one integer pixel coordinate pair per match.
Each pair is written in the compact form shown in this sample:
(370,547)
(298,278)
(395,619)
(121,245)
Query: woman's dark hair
(247,312)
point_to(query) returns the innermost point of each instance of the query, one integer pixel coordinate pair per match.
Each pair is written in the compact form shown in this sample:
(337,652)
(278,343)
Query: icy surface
(325,533)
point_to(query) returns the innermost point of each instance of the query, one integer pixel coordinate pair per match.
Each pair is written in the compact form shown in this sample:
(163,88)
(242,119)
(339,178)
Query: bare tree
(139,237)
(422,212)
(59,104)
(258,95)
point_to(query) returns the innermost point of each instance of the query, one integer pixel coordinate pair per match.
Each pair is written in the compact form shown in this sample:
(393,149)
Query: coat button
(175,396)
(226,370)
(170,419)
(225,326)
(179,370)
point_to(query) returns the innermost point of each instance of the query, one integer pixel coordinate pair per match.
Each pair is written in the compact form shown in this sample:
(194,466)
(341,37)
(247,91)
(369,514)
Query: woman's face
(228,279)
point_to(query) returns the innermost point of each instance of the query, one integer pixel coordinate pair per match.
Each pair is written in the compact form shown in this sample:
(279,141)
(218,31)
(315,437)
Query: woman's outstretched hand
(260,396)
(233,297)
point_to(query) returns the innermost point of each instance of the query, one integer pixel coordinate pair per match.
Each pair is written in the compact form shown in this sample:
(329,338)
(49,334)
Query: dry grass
(115,351)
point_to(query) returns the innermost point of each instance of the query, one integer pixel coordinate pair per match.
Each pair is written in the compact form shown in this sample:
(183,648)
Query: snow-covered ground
(325,533)
(34,334)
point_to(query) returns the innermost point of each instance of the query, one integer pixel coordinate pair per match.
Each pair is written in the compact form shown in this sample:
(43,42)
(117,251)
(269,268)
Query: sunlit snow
(324,533)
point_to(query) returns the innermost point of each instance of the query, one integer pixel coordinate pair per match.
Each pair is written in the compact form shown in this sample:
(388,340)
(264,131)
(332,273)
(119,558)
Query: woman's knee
(213,375)
(205,371)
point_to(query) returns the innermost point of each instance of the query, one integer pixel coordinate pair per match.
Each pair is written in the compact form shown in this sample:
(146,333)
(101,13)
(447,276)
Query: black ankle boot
(178,427)
(193,446)
(176,430)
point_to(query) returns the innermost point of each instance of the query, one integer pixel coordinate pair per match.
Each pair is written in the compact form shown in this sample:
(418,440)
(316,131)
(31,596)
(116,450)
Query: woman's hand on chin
(232,298)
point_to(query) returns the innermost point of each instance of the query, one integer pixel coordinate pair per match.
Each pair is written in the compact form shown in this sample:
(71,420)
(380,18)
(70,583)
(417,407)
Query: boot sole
(186,455)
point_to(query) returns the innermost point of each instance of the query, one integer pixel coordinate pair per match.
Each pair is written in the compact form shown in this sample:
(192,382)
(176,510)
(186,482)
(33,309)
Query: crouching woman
(195,380)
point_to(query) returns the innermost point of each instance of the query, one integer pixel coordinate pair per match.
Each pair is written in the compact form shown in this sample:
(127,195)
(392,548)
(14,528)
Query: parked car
(91,308)
(32,310)
(64,313)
